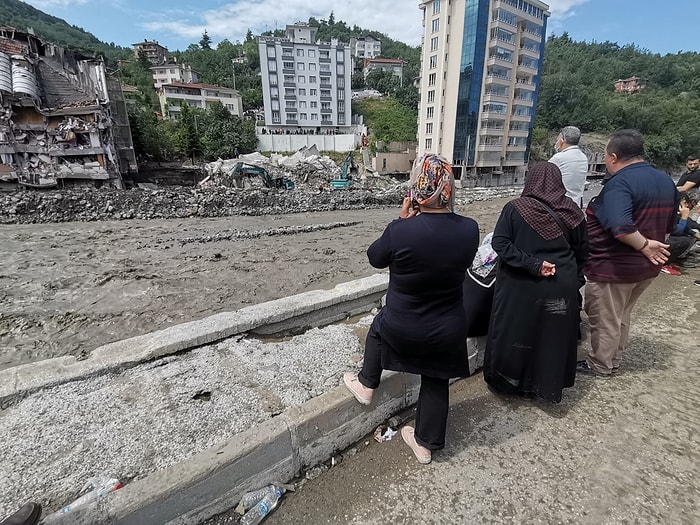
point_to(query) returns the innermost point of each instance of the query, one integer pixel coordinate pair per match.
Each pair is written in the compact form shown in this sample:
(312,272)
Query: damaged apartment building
(63,119)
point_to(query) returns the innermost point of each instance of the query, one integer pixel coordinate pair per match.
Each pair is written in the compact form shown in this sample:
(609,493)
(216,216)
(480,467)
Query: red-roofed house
(200,96)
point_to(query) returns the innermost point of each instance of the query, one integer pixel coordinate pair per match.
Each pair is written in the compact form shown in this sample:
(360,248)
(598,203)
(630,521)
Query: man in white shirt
(572,162)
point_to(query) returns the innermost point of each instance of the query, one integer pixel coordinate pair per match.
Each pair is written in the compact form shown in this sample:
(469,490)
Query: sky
(653,25)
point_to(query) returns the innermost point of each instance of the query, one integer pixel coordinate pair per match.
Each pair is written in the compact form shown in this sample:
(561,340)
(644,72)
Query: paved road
(623,450)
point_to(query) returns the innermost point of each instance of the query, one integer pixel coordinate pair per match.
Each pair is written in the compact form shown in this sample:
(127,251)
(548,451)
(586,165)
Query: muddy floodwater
(68,288)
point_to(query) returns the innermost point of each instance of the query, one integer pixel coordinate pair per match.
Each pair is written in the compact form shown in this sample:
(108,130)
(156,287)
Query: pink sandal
(423,455)
(361,392)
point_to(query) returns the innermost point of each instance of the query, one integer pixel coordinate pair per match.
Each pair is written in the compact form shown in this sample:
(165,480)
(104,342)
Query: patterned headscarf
(432,182)
(543,182)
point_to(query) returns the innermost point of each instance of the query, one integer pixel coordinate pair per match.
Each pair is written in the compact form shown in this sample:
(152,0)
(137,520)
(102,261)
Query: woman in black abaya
(533,332)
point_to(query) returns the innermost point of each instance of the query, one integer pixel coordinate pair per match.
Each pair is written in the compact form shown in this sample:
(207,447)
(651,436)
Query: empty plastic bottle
(263,507)
(249,499)
(100,485)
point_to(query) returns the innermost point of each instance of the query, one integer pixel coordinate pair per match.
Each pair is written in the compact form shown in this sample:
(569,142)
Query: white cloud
(399,19)
(48,4)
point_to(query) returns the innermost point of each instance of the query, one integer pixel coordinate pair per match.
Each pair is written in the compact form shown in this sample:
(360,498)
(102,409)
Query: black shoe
(697,282)
(583,368)
(29,514)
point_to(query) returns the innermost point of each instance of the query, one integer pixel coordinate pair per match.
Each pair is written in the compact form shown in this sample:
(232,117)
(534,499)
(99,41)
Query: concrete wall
(395,162)
(344,142)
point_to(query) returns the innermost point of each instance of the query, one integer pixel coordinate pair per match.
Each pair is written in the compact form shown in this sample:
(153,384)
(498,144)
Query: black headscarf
(543,183)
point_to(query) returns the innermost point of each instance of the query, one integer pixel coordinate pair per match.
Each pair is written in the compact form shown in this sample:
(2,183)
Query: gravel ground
(67,287)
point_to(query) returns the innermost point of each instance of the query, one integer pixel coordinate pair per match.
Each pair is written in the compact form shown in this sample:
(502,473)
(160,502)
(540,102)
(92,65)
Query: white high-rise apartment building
(480,73)
(306,84)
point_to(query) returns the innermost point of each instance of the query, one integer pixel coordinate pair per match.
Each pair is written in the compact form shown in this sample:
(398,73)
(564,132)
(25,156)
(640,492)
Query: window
(276,117)
(312,53)
(434,43)
(340,55)
(302,104)
(431,79)
(325,92)
(436,7)
(312,79)
(313,93)
(430,112)
(341,106)
(433,62)
(291,104)
(431,96)
(275,105)
(289,91)
(302,116)
(302,92)
(340,82)
(312,67)
(340,69)
(301,79)
(313,104)
(291,116)
(428,144)
(300,52)
(273,80)
(325,105)
(436,25)
(289,78)
(384,163)
(429,128)
(341,94)
(272,65)
(301,66)
(274,92)
(288,65)
(314,116)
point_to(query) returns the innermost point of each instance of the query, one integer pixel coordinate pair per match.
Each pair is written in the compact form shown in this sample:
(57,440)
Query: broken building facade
(63,119)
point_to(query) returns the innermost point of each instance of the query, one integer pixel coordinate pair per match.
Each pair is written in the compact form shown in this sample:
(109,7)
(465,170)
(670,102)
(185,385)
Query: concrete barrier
(277,450)
(280,317)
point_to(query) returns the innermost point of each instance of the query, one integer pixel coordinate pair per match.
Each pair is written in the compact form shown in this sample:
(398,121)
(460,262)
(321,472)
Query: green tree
(187,136)
(205,42)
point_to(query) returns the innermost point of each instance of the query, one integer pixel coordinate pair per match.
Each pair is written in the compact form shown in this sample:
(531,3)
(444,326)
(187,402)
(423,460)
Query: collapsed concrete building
(63,120)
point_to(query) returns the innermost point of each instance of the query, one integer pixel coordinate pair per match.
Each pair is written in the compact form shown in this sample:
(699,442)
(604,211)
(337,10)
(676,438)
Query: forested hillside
(577,88)
(23,16)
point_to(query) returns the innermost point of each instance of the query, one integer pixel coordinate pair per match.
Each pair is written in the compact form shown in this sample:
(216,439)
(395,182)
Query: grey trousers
(609,308)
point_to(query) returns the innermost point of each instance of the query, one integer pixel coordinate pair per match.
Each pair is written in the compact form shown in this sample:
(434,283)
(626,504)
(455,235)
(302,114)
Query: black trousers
(433,398)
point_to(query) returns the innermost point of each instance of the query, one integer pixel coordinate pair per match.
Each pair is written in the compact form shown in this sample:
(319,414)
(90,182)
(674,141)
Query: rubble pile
(30,207)
(221,196)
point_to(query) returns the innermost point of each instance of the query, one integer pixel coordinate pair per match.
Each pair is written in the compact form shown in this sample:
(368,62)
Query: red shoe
(670,270)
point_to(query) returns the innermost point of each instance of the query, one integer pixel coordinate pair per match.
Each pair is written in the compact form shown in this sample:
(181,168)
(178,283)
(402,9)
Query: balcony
(496,97)
(527,68)
(323,73)
(292,121)
(289,84)
(324,60)
(524,84)
(524,101)
(495,77)
(290,97)
(326,110)
(287,71)
(530,51)
(497,41)
(493,131)
(518,132)
(521,117)
(503,60)
(325,98)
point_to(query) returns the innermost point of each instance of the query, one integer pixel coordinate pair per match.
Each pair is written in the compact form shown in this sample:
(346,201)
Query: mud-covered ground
(69,287)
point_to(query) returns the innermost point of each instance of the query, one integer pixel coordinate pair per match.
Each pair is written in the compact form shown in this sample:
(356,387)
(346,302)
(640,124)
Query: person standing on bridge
(628,223)
(422,329)
(540,239)
(572,162)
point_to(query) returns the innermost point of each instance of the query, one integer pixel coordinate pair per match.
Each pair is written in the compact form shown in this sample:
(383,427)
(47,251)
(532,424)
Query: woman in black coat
(532,339)
(422,328)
